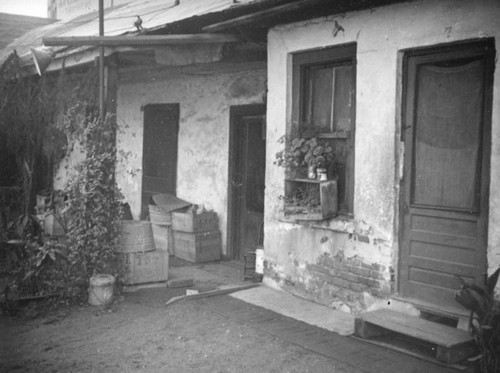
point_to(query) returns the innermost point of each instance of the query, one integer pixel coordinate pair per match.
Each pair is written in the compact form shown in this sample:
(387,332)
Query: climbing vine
(35,136)
(41,121)
(94,203)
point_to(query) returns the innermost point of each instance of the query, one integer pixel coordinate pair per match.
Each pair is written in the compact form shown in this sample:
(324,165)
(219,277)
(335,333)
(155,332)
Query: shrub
(94,205)
(484,319)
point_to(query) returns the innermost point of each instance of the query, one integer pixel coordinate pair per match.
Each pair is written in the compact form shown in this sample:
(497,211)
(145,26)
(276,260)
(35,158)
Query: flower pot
(322,175)
(311,172)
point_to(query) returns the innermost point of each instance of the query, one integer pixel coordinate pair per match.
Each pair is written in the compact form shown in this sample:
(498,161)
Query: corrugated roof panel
(12,26)
(153,13)
(120,20)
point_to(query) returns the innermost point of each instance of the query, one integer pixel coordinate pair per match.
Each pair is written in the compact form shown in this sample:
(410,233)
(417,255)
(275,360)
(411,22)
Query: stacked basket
(161,207)
(142,261)
(161,223)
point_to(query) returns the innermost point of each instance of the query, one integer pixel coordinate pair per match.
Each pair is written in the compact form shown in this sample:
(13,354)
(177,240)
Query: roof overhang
(294,11)
(215,24)
(139,41)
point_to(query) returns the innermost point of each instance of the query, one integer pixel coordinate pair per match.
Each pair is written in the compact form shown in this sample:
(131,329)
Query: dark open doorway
(247,166)
(159,165)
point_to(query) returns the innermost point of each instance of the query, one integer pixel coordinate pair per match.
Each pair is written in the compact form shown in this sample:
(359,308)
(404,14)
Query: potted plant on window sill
(306,154)
(310,186)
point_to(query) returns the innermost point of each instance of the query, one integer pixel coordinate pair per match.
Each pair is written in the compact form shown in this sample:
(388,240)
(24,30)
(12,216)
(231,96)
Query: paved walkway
(311,326)
(299,309)
(348,354)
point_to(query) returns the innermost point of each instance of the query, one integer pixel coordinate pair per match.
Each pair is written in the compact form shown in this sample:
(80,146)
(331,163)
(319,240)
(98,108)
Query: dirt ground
(139,333)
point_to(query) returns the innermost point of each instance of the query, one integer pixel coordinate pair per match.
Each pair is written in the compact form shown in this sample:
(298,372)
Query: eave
(138,41)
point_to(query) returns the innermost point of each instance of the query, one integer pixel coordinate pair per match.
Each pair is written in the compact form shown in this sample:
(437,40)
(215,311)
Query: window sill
(340,223)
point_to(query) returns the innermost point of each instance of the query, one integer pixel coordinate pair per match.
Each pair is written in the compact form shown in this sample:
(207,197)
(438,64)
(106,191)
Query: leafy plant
(33,133)
(24,226)
(39,270)
(46,266)
(305,151)
(302,197)
(94,203)
(42,118)
(484,320)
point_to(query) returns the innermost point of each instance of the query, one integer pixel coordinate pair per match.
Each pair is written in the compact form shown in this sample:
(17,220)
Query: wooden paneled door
(444,193)
(247,166)
(159,162)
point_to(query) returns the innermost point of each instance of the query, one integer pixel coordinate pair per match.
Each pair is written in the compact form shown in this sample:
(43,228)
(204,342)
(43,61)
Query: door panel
(448,128)
(247,179)
(446,171)
(161,127)
(253,172)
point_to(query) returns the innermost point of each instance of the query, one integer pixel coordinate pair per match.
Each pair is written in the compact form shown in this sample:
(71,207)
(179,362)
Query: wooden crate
(52,225)
(193,222)
(163,237)
(326,193)
(198,247)
(144,267)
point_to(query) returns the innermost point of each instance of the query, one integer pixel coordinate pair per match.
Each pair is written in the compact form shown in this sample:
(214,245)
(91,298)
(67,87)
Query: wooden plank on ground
(452,345)
(416,327)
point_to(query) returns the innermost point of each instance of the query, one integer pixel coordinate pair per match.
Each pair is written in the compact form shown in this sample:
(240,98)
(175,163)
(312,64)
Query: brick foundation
(336,281)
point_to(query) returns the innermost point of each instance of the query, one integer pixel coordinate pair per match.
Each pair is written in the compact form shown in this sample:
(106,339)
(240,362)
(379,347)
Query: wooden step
(450,345)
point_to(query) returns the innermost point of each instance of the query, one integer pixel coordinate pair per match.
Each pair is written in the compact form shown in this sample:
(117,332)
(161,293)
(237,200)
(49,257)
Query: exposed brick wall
(336,281)
(352,274)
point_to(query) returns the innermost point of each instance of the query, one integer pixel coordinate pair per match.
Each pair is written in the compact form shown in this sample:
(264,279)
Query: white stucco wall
(380,34)
(66,168)
(205,97)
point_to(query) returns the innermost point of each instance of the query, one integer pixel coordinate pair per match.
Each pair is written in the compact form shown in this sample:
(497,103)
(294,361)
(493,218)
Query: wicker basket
(158,216)
(137,236)
(101,290)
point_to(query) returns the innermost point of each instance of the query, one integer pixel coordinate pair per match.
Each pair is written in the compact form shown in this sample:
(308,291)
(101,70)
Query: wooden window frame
(341,55)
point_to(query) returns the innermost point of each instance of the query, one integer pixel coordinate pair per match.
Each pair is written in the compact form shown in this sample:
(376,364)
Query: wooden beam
(137,41)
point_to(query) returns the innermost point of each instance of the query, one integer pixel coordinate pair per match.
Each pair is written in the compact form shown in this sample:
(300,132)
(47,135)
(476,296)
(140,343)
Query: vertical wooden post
(101,61)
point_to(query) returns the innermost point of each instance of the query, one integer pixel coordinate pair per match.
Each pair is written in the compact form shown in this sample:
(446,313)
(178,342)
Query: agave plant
(484,323)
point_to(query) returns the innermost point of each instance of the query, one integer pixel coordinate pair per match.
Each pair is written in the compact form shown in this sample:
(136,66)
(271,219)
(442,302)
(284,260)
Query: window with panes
(324,84)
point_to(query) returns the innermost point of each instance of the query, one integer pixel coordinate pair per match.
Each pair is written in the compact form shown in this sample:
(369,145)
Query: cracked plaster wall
(381,34)
(205,96)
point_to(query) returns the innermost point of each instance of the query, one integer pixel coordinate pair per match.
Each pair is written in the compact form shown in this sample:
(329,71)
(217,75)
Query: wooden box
(163,237)
(52,225)
(323,193)
(144,267)
(198,247)
(193,222)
